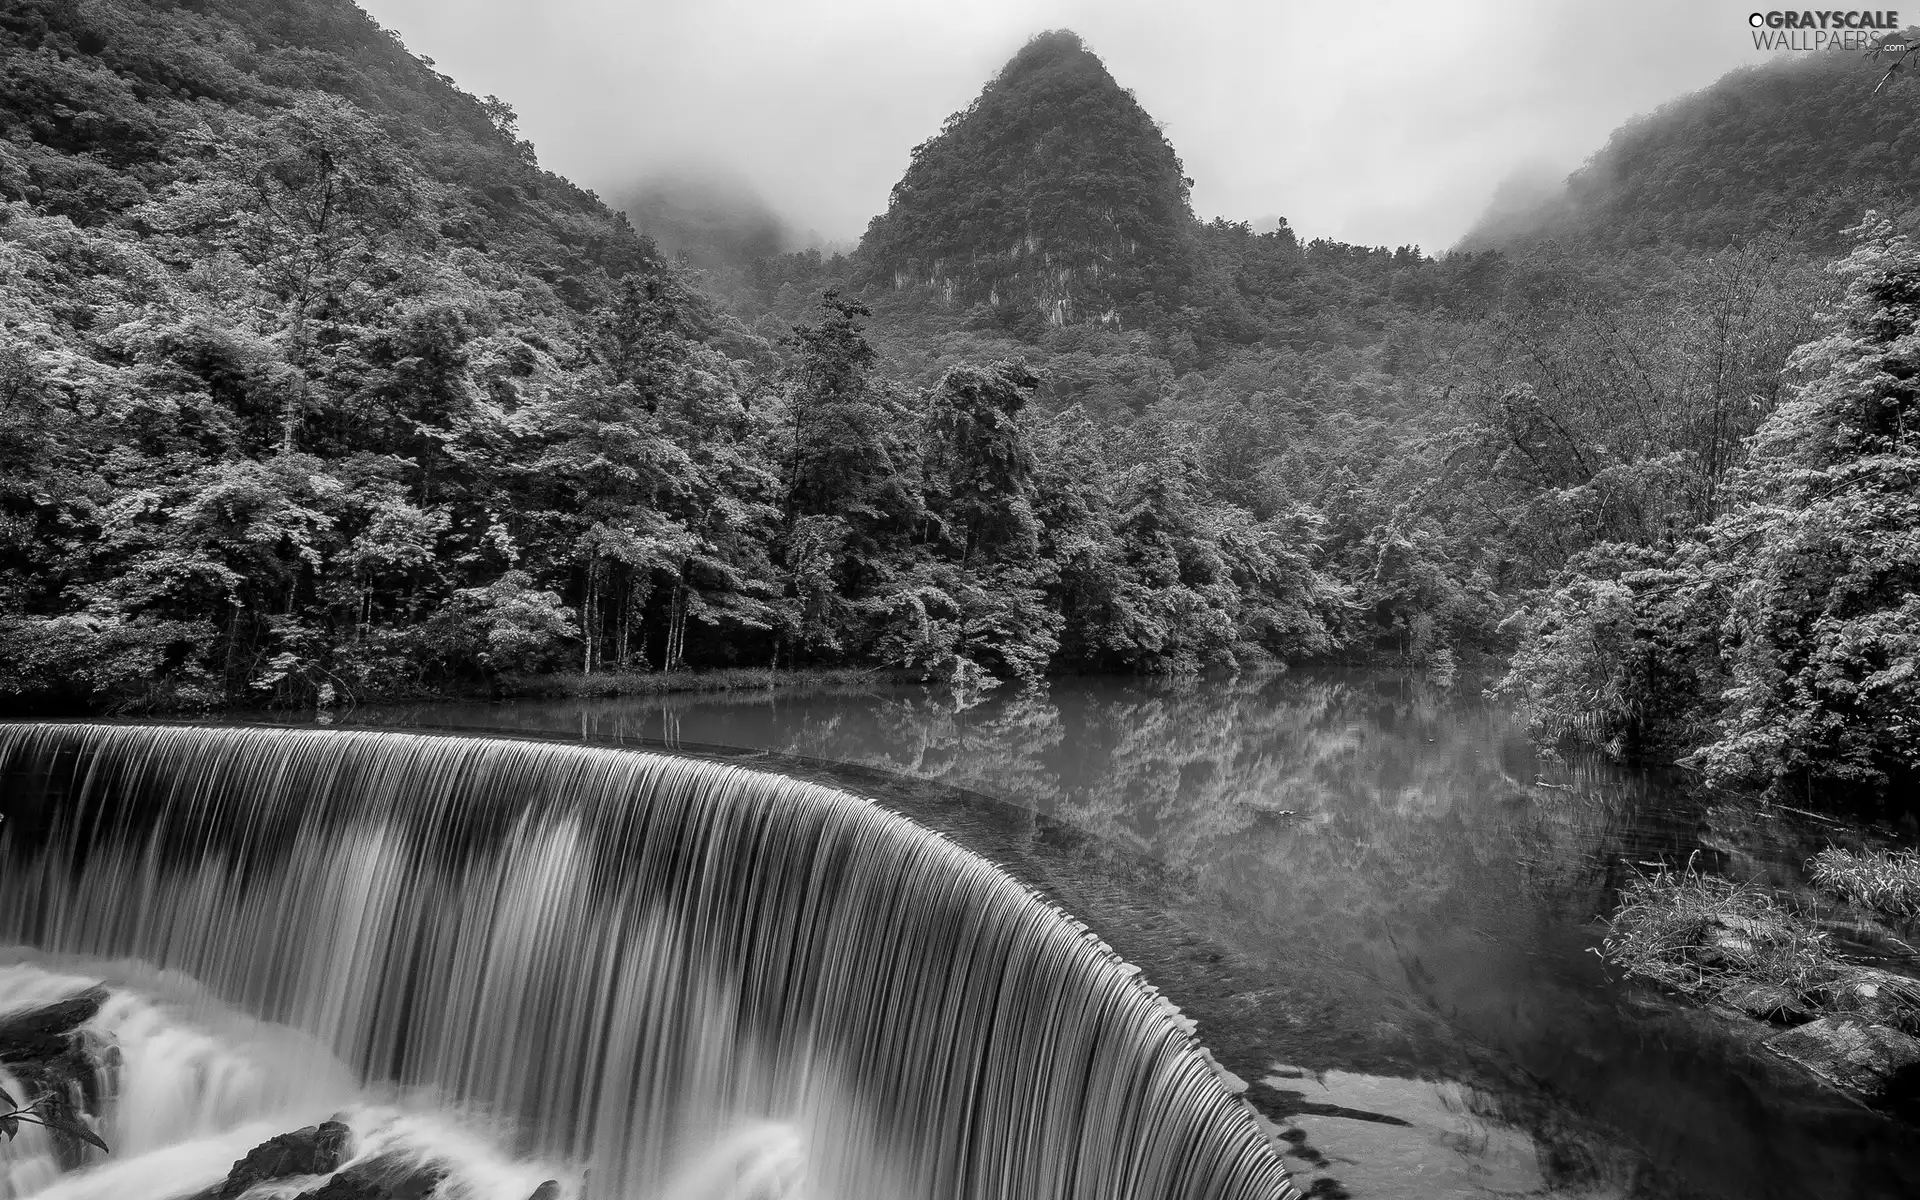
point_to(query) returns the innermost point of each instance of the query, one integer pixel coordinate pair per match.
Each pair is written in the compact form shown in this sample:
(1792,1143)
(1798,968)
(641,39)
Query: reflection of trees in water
(1357,814)
(1344,807)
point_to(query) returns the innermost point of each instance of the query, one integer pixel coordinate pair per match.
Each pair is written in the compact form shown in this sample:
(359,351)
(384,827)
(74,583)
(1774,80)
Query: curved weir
(682,978)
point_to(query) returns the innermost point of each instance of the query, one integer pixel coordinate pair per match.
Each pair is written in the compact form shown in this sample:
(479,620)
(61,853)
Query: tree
(1820,557)
(979,462)
(1778,643)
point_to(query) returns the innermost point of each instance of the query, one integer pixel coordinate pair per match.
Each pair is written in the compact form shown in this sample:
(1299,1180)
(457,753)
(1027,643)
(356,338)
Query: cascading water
(667,978)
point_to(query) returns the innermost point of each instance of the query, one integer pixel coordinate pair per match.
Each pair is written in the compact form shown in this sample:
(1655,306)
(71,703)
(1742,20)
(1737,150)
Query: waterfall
(681,978)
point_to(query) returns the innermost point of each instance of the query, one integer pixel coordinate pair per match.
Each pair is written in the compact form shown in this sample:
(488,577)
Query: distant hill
(1802,143)
(1052,198)
(111,106)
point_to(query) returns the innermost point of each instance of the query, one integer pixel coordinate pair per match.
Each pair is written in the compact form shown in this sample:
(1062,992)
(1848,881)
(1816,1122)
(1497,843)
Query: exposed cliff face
(1053,195)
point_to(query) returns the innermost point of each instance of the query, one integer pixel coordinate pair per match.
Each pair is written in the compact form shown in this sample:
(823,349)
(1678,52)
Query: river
(1388,903)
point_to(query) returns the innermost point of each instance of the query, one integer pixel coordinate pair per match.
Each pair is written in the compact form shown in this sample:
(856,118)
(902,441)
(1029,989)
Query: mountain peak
(1051,48)
(1052,198)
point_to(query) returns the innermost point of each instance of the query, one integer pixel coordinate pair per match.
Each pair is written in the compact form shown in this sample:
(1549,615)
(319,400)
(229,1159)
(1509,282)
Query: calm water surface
(1387,904)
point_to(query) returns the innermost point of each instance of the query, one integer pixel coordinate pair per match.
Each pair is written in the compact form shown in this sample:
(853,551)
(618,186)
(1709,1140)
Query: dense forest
(315,388)
(1793,144)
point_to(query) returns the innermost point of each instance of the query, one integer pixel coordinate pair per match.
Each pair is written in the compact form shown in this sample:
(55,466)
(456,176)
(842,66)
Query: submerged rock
(1871,1060)
(315,1150)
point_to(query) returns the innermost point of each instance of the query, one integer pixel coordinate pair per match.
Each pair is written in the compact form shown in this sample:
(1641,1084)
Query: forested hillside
(317,387)
(1802,143)
(314,387)
(1052,199)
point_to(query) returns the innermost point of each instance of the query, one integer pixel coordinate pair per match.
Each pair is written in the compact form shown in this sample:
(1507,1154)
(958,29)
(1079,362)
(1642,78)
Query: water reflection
(1407,1139)
(1391,885)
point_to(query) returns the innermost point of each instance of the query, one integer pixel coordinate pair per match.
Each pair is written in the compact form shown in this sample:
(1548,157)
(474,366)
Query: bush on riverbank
(1886,880)
(1772,645)
(1718,941)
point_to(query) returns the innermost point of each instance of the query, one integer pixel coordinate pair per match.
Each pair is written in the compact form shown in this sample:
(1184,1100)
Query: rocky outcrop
(1876,997)
(45,1050)
(38,1034)
(315,1150)
(550,1190)
(1875,1062)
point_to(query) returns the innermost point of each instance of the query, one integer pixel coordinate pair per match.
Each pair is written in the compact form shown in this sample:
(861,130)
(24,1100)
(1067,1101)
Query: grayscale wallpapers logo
(1809,30)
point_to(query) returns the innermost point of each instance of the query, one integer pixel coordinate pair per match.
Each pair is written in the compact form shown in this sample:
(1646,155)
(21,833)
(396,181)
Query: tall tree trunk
(626,606)
(586,620)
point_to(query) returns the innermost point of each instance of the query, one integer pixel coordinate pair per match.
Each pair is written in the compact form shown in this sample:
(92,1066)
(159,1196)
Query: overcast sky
(1384,123)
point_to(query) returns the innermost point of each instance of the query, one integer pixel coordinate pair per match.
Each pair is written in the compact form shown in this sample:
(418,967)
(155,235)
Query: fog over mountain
(1389,127)
(706,213)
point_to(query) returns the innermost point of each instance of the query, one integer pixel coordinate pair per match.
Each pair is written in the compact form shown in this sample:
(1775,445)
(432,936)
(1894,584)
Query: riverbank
(565,685)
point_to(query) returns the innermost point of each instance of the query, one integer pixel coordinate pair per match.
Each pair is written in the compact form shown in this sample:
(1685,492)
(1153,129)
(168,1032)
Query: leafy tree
(1819,559)
(1776,643)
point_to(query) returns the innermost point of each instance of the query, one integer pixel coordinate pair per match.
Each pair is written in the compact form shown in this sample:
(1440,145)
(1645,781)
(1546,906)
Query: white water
(192,1087)
(644,976)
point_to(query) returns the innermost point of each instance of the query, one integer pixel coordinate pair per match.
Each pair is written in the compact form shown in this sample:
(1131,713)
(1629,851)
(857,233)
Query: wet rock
(1732,941)
(1877,997)
(48,1031)
(550,1190)
(315,1150)
(1860,1057)
(1769,1002)
(387,1177)
(56,1066)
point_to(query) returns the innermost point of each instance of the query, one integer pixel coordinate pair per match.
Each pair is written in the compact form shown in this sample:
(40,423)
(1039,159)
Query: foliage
(1698,934)
(1714,939)
(555,684)
(315,387)
(300,404)
(1821,558)
(47,1113)
(1888,880)
(1052,197)
(1773,638)
(1802,141)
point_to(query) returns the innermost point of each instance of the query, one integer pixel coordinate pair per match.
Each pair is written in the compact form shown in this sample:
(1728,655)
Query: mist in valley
(1391,125)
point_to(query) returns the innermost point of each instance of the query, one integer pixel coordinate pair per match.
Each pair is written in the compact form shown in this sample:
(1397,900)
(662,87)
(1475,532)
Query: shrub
(1718,941)
(1888,880)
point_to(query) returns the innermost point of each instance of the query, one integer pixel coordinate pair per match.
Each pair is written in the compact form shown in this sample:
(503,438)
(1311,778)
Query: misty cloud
(1388,124)
(705,212)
